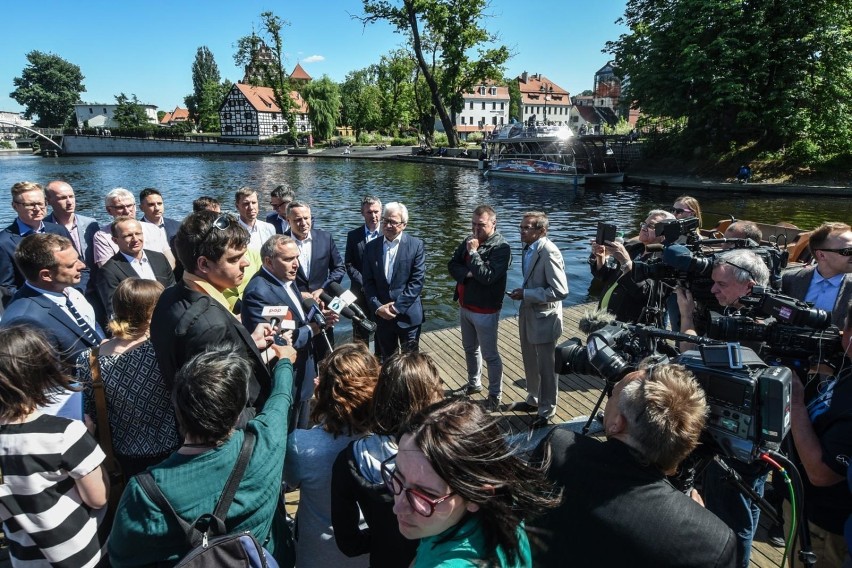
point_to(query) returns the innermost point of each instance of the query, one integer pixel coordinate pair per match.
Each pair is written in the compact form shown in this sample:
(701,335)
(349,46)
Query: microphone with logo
(280,318)
(313,314)
(349,299)
(338,306)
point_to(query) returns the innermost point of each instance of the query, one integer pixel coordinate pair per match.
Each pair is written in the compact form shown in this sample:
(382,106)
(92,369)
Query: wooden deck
(577,394)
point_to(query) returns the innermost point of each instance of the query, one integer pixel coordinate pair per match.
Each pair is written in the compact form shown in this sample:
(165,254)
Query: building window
(274,128)
(274,116)
(483,105)
(494,120)
(502,106)
(227,116)
(229,128)
(105,111)
(471,105)
(463,119)
(247,115)
(494,106)
(90,110)
(482,90)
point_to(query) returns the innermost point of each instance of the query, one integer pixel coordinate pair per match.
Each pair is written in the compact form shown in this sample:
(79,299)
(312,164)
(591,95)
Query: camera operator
(821,427)
(734,274)
(626,293)
(743,230)
(618,488)
(828,286)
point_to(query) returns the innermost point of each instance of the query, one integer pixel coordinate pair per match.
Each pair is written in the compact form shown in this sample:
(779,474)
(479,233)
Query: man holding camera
(735,273)
(828,286)
(821,427)
(653,420)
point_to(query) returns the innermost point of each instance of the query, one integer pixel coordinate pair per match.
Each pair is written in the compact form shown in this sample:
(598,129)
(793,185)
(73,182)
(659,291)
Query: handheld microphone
(348,297)
(313,312)
(336,305)
(278,317)
(595,319)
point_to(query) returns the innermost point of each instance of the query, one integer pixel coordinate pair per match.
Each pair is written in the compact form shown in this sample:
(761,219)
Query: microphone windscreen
(678,257)
(596,319)
(336,288)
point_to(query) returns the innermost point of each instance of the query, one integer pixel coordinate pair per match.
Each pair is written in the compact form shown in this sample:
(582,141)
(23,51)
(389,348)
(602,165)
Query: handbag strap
(216,520)
(102,418)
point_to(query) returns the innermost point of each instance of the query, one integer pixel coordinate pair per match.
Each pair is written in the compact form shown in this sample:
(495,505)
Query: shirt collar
(283,283)
(132,259)
(247,227)
(204,287)
(25,229)
(834,280)
(392,243)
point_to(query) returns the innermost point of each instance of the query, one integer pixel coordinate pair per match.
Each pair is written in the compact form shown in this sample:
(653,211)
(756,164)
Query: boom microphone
(348,297)
(313,313)
(595,319)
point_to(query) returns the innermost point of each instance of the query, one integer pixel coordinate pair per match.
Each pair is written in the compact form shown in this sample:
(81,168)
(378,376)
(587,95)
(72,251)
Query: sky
(147,48)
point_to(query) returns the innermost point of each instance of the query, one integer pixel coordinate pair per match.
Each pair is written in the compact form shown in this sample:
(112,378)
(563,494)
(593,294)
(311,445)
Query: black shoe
(522,406)
(492,403)
(775,535)
(466,390)
(540,422)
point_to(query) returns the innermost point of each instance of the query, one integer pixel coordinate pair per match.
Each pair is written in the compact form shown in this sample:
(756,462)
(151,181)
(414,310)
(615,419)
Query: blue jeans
(479,339)
(738,511)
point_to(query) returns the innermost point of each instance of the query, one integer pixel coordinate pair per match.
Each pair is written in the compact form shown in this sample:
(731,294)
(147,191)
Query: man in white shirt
(248,208)
(154,212)
(120,202)
(131,261)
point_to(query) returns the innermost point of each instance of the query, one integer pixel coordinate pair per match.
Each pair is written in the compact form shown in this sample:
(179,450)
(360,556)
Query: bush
(805,153)
(410,141)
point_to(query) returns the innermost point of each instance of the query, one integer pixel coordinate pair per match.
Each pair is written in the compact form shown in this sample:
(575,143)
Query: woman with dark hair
(459,488)
(49,464)
(341,412)
(408,383)
(209,394)
(138,404)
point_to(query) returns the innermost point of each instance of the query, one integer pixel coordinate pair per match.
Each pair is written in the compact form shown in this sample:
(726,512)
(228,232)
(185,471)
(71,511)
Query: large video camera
(749,401)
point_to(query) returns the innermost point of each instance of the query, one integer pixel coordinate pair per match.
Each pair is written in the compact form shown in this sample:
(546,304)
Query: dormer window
(493,90)
(482,90)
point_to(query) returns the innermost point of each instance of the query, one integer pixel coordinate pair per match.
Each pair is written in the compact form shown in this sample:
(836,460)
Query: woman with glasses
(460,489)
(624,292)
(341,412)
(408,383)
(685,207)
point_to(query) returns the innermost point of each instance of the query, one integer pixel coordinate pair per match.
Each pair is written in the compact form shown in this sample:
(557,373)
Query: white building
(100,115)
(250,113)
(544,100)
(485,109)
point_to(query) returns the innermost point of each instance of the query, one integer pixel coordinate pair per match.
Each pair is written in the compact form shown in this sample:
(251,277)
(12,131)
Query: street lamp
(546,91)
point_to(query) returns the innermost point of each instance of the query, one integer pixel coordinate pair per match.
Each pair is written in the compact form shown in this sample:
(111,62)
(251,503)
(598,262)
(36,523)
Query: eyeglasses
(420,503)
(391,223)
(843,252)
(120,207)
(277,205)
(677,211)
(31,205)
(648,226)
(221,222)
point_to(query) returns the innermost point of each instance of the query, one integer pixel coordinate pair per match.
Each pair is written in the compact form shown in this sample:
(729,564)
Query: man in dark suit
(153,211)
(131,260)
(653,420)
(394,271)
(28,201)
(356,242)
(828,285)
(193,314)
(63,204)
(275,285)
(319,261)
(49,299)
(280,199)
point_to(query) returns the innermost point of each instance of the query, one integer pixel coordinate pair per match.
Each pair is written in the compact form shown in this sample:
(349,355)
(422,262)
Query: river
(440,200)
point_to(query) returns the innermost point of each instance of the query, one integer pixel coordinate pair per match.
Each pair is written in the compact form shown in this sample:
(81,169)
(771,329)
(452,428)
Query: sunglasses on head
(847,251)
(221,223)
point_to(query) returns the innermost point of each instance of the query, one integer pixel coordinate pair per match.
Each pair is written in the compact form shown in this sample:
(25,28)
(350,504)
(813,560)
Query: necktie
(84,326)
(525,259)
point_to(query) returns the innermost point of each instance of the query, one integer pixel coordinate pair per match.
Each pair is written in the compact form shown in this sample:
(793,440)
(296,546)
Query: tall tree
(395,80)
(48,88)
(204,72)
(454,27)
(270,70)
(361,101)
(129,112)
(323,98)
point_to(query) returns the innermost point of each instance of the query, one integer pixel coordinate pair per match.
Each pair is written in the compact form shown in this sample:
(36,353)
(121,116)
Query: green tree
(361,100)
(48,88)
(204,72)
(270,70)
(323,98)
(453,29)
(395,75)
(129,112)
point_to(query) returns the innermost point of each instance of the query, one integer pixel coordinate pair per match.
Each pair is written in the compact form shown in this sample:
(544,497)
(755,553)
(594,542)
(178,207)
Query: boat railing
(519,131)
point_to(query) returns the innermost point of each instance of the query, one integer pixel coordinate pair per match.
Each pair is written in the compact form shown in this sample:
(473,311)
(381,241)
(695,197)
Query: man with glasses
(394,271)
(353,258)
(28,201)
(828,285)
(480,267)
(279,199)
(193,314)
(119,202)
(541,294)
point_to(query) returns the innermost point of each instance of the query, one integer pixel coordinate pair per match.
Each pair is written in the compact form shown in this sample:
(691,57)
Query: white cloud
(313,59)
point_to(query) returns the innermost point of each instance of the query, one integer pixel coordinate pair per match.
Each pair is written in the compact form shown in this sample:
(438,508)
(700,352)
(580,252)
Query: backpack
(208,539)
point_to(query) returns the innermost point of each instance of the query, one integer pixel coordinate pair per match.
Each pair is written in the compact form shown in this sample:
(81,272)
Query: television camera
(749,401)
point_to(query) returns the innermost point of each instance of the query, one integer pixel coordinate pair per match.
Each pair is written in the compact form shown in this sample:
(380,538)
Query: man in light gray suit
(828,285)
(541,295)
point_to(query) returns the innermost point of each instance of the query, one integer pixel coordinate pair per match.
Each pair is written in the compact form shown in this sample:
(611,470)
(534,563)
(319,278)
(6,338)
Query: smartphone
(606,232)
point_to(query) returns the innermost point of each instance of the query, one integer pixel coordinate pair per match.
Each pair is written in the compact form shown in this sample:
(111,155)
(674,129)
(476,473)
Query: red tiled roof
(180,114)
(166,118)
(531,90)
(475,128)
(501,93)
(299,73)
(588,114)
(263,98)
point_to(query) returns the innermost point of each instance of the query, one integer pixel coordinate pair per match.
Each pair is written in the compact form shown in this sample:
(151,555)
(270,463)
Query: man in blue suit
(356,242)
(63,205)
(320,263)
(153,211)
(275,285)
(280,199)
(49,300)
(394,271)
(28,201)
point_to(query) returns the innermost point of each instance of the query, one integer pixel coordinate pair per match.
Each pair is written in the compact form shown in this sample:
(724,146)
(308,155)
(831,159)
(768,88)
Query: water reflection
(440,201)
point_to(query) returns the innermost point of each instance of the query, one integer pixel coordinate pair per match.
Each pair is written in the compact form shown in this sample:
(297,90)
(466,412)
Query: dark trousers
(390,338)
